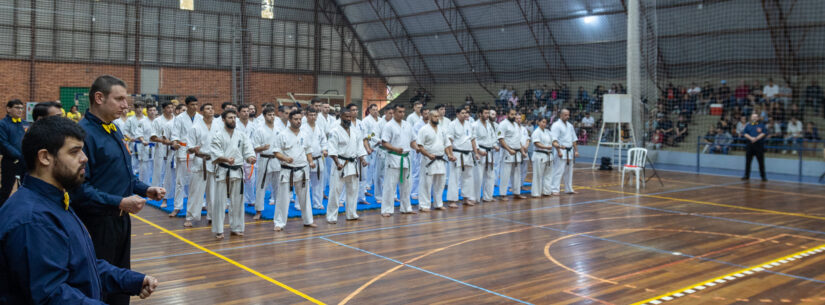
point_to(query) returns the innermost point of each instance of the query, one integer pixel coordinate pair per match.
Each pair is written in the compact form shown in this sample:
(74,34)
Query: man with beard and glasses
(510,139)
(347,155)
(229,149)
(294,151)
(46,254)
(110,191)
(564,141)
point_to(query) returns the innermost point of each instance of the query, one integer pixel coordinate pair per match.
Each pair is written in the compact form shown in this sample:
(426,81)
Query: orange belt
(182,144)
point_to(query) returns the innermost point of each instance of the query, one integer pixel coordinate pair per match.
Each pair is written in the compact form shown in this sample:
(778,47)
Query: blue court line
(656,250)
(436,221)
(426,271)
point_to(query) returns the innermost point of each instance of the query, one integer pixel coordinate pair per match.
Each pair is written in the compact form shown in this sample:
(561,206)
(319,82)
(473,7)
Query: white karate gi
(295,146)
(268,168)
(239,147)
(347,145)
(565,134)
(433,171)
(510,166)
(462,178)
(182,126)
(398,135)
(542,163)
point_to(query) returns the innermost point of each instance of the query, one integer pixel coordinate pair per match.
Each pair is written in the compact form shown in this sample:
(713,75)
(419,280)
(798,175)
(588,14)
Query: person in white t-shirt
(794,133)
(770,90)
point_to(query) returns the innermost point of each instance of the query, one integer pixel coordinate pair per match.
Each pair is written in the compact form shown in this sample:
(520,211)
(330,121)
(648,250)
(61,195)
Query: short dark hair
(242,106)
(227,112)
(223,106)
(164,104)
(42,109)
(350,105)
(204,105)
(179,106)
(439,106)
(50,134)
(418,102)
(13,103)
(399,105)
(312,110)
(103,84)
(268,110)
(293,113)
(190,99)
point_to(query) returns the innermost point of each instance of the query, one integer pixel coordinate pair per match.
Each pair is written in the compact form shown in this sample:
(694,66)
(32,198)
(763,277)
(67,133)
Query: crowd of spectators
(674,113)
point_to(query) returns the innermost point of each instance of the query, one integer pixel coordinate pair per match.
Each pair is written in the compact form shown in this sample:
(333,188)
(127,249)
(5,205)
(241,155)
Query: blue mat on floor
(269,210)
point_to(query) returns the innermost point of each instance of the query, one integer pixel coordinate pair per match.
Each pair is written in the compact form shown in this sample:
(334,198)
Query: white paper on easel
(617,108)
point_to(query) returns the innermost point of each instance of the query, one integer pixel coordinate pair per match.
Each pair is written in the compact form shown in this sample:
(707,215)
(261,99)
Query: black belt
(231,168)
(463,152)
(543,152)
(292,171)
(567,149)
(266,167)
(518,153)
(357,166)
(487,162)
(318,166)
(441,157)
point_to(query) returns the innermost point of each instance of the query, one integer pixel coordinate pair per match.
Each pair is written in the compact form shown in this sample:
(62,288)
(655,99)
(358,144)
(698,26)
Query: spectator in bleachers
(724,92)
(723,123)
(688,106)
(564,93)
(770,90)
(740,126)
(708,139)
(583,99)
(778,113)
(813,97)
(588,122)
(795,111)
(785,94)
(793,134)
(694,90)
(502,97)
(721,143)
(513,100)
(681,129)
(811,132)
(469,99)
(665,125)
(741,93)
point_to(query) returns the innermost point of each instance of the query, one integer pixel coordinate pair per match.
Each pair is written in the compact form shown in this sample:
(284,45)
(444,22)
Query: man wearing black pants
(755,133)
(110,191)
(11,137)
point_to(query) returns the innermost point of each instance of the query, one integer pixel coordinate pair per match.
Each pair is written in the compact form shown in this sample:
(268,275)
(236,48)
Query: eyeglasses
(17,107)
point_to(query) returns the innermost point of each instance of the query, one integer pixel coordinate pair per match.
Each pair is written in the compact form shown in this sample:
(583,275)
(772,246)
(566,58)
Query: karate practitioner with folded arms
(318,147)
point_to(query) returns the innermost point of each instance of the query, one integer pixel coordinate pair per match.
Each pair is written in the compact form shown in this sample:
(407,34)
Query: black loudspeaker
(606,164)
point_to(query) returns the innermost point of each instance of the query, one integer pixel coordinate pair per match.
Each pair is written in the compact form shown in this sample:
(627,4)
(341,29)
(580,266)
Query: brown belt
(318,166)
(266,167)
(205,158)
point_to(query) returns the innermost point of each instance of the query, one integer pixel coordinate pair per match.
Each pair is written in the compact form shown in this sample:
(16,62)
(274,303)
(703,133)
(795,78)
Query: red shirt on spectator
(742,92)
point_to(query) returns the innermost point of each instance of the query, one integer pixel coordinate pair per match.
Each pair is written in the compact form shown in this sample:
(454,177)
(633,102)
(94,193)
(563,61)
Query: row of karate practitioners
(223,161)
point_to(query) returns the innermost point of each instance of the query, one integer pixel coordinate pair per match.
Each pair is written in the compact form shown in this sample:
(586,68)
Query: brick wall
(213,86)
(374,89)
(209,86)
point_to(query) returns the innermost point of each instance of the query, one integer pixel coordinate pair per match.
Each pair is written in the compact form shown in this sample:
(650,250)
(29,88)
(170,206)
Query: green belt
(401,169)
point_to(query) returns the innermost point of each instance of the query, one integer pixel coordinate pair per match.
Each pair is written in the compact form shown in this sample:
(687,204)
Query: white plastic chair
(636,158)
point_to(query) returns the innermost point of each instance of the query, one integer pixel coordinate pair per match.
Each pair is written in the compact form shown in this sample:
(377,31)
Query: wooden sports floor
(700,239)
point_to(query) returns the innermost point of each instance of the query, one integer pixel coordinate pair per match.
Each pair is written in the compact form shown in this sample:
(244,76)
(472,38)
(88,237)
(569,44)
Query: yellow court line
(229,260)
(712,203)
(730,274)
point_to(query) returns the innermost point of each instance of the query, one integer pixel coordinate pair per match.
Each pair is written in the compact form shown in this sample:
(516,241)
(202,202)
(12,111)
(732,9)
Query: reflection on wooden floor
(697,240)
